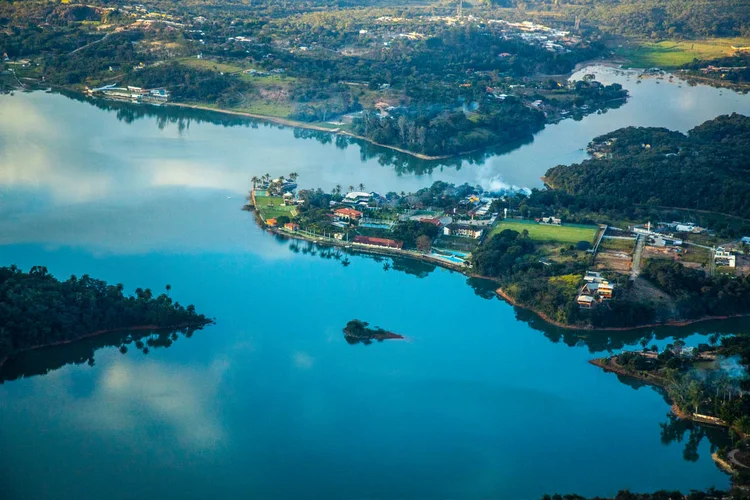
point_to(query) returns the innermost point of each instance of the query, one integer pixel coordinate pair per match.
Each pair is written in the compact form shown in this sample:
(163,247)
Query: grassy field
(626,246)
(697,255)
(672,53)
(210,65)
(271,207)
(541,232)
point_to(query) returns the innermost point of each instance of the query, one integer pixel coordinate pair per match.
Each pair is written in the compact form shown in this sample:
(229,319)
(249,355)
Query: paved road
(636,269)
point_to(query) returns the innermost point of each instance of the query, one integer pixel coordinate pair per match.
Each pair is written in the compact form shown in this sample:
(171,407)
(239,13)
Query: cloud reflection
(131,400)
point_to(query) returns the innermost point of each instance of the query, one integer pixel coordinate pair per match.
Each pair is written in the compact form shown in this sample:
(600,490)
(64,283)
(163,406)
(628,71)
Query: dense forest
(707,169)
(36,309)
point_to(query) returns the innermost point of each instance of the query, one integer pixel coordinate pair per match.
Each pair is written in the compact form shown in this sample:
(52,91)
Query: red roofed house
(348,213)
(433,221)
(379,242)
(291,226)
(271,222)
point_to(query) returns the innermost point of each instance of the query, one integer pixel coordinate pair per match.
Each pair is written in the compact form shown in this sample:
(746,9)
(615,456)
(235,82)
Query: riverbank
(311,126)
(609,365)
(500,292)
(138,328)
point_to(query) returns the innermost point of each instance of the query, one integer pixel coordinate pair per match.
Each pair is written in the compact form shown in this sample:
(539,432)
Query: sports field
(271,207)
(568,234)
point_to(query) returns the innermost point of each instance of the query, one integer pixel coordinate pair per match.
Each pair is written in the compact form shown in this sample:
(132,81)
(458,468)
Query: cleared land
(617,245)
(672,53)
(271,207)
(542,232)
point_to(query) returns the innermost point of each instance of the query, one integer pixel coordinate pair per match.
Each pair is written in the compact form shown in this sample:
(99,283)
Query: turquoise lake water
(479,401)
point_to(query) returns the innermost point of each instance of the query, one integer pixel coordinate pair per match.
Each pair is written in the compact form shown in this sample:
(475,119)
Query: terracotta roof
(381,242)
(431,221)
(349,212)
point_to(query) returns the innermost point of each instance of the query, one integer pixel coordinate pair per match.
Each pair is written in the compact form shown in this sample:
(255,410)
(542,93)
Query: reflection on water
(459,411)
(44,360)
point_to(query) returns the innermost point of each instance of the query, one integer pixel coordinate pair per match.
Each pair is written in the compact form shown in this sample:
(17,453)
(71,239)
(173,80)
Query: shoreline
(104,332)
(671,323)
(606,365)
(311,126)
(499,291)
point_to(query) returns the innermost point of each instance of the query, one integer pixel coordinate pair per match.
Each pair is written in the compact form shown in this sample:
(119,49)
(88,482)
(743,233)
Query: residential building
(605,290)
(586,301)
(725,258)
(463,230)
(348,214)
(271,222)
(291,226)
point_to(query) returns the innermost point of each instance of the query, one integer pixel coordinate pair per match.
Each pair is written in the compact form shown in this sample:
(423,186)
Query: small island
(356,332)
(653,229)
(38,310)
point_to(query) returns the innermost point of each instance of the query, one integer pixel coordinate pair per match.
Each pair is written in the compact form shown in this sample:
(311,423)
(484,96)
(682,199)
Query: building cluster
(596,289)
(130,94)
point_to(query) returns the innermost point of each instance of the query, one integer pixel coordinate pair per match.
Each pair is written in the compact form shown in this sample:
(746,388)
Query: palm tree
(338,188)
(168,288)
(351,188)
(255,181)
(361,187)
(293,176)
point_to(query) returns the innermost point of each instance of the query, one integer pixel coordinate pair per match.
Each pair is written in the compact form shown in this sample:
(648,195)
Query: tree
(424,243)
(168,288)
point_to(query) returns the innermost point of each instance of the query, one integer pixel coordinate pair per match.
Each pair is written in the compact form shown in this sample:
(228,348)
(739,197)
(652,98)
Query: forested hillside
(707,169)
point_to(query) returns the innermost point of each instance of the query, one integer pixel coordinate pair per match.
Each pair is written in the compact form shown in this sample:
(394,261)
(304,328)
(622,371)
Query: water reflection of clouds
(154,404)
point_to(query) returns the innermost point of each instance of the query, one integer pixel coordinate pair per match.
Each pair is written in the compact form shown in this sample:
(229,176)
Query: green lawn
(672,53)
(540,232)
(271,207)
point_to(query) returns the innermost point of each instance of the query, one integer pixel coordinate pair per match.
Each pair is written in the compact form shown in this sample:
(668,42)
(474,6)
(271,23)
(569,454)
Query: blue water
(479,401)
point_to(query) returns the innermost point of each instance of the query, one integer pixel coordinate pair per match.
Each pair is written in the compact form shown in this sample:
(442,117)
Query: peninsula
(588,253)
(706,384)
(38,310)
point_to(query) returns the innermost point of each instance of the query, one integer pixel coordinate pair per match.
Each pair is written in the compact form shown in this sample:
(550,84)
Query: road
(636,269)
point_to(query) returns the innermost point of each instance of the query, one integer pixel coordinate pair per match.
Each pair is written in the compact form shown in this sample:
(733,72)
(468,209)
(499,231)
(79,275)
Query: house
(291,226)
(271,222)
(605,290)
(463,230)
(586,301)
(356,197)
(379,242)
(348,214)
(593,277)
(431,220)
(724,258)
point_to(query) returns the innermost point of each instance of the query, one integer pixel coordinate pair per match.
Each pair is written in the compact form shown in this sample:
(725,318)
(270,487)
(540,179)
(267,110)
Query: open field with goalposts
(271,207)
(567,233)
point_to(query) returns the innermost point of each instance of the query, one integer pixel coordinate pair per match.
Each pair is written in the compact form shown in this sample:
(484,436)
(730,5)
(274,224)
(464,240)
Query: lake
(480,400)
